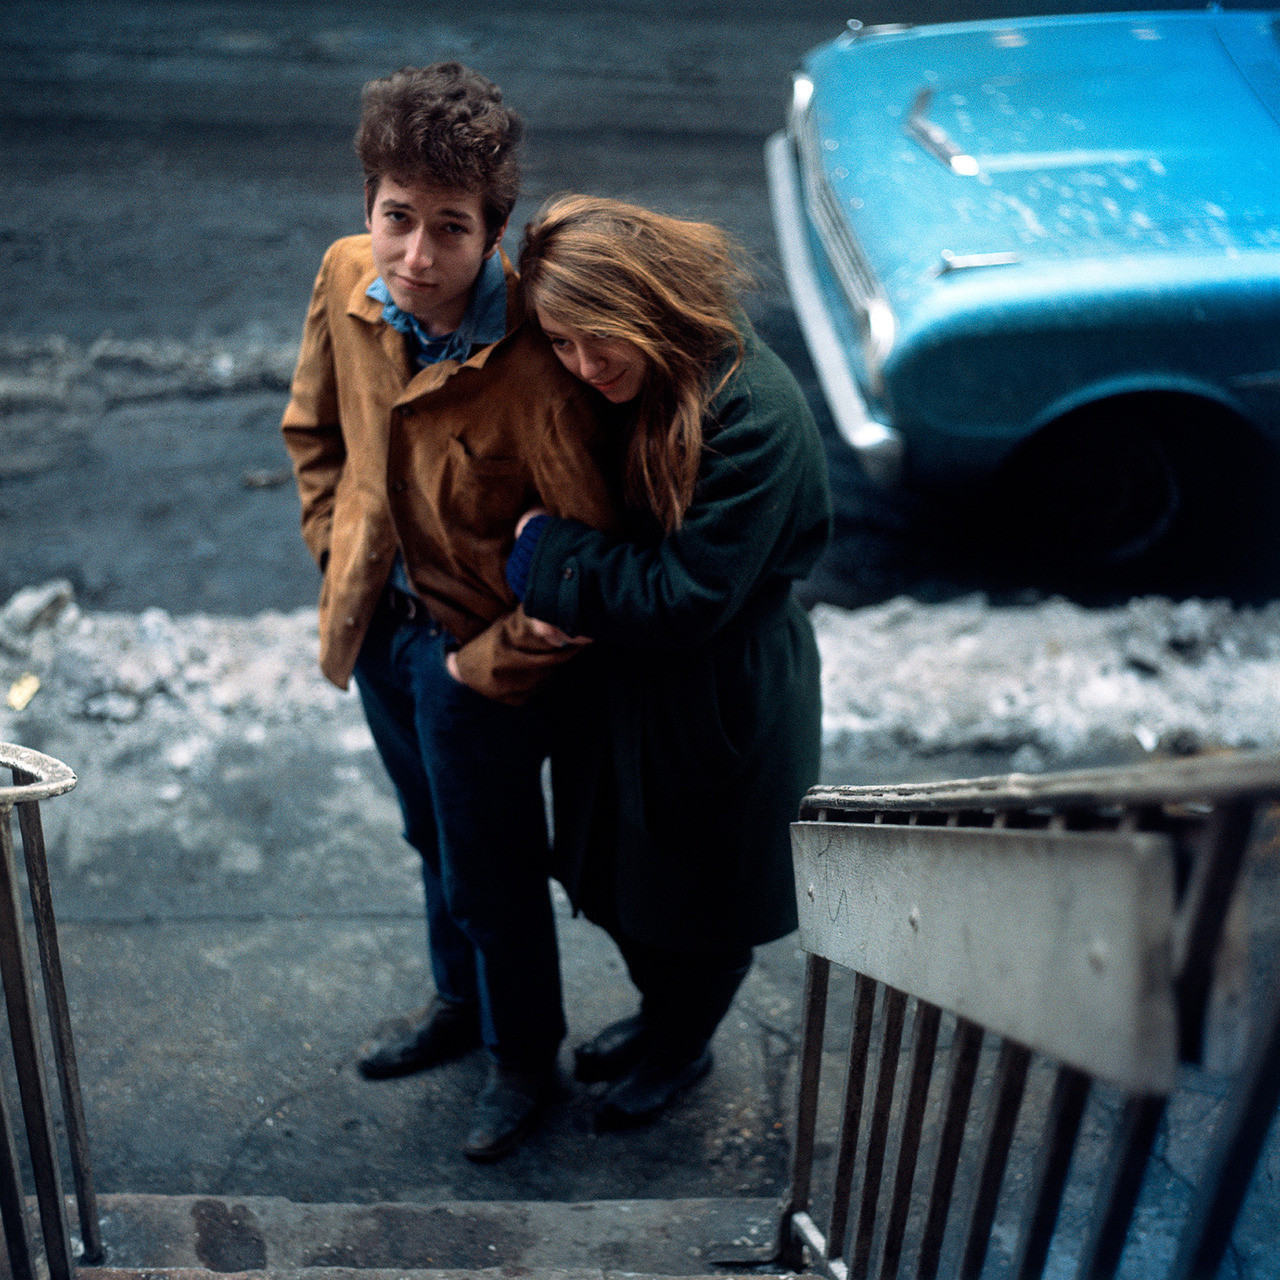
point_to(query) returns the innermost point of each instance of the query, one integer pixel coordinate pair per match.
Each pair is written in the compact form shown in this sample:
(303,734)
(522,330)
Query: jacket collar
(369,310)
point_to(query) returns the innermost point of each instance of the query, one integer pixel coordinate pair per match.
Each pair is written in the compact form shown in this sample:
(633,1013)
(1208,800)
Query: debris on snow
(1051,683)
(1041,685)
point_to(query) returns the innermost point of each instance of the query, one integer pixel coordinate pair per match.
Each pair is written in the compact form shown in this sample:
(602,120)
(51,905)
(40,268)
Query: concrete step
(191,1237)
(346,1273)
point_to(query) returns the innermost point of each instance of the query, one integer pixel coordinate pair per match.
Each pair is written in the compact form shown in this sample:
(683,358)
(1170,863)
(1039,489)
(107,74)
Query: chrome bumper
(879,447)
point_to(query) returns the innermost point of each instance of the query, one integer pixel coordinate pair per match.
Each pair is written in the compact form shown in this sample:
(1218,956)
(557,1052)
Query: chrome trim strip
(935,139)
(856,30)
(970,261)
(847,261)
(1268,379)
(878,446)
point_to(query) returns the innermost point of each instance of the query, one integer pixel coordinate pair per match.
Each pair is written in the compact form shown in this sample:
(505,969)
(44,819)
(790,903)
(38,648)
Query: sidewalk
(237,912)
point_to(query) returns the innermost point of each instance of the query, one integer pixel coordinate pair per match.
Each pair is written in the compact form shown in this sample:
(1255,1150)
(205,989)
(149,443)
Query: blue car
(1036,263)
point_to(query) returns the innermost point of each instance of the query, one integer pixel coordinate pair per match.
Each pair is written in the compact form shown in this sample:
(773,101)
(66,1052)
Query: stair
(193,1237)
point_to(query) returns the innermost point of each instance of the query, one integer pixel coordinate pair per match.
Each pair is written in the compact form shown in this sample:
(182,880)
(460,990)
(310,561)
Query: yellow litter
(22,690)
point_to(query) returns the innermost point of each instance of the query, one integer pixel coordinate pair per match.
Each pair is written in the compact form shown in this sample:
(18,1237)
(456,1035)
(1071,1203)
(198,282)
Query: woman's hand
(528,515)
(552,634)
(548,632)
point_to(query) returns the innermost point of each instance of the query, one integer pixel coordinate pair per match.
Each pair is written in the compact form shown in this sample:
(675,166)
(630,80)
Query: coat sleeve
(508,660)
(311,427)
(760,510)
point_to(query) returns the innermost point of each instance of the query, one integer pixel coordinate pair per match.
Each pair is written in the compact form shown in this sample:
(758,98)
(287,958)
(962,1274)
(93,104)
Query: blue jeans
(467,773)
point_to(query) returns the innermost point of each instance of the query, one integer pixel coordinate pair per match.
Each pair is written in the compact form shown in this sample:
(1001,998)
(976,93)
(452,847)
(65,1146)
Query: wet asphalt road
(174,173)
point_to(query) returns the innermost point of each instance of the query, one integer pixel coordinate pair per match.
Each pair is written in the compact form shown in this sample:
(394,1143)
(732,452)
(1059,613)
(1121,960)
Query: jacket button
(567,573)
(374,557)
(399,486)
(350,622)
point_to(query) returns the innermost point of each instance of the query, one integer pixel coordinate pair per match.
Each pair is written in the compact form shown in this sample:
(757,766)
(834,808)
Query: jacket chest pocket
(485,493)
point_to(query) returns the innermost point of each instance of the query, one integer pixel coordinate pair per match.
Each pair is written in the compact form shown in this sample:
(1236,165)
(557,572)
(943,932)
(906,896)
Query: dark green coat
(691,727)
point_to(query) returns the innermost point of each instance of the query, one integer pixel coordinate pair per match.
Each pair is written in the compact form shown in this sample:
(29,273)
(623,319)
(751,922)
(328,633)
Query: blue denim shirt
(485,321)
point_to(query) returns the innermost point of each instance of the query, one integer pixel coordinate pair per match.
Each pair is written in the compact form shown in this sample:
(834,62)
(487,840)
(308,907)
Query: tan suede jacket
(439,463)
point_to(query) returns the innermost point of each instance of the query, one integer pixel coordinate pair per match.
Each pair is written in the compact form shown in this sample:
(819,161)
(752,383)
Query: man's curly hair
(445,126)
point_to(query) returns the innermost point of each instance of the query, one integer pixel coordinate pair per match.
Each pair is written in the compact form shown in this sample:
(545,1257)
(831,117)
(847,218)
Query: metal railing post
(38,777)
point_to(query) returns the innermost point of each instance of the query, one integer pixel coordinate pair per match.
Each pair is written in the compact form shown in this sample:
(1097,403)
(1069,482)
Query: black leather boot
(441,1032)
(613,1051)
(506,1110)
(661,1077)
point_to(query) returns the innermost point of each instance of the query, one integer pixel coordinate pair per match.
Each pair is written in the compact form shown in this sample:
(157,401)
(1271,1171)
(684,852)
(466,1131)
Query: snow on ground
(1043,685)
(1051,683)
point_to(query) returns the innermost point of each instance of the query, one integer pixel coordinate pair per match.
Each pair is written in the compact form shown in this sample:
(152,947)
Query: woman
(695,726)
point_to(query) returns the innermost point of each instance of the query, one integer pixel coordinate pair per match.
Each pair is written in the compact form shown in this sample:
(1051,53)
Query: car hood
(1039,143)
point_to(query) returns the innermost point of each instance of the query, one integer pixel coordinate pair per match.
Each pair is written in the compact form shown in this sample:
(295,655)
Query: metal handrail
(1202,810)
(1194,779)
(38,777)
(46,776)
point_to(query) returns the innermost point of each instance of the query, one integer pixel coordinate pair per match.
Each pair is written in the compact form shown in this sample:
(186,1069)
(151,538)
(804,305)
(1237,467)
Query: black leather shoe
(444,1030)
(505,1112)
(650,1087)
(613,1051)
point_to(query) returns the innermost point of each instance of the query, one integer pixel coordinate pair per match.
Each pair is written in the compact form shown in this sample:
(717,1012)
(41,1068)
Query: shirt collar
(485,320)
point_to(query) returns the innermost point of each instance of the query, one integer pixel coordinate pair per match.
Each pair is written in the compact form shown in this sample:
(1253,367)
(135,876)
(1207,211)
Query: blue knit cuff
(520,561)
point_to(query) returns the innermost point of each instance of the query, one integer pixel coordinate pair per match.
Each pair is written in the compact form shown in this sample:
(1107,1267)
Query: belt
(406,608)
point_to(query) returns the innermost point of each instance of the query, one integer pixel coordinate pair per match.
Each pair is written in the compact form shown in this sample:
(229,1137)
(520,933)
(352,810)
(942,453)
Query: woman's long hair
(613,270)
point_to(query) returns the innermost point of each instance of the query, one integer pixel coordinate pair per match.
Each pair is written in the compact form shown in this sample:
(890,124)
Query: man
(424,419)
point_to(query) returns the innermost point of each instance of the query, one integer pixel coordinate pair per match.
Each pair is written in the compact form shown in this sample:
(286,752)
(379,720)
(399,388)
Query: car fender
(1113,387)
